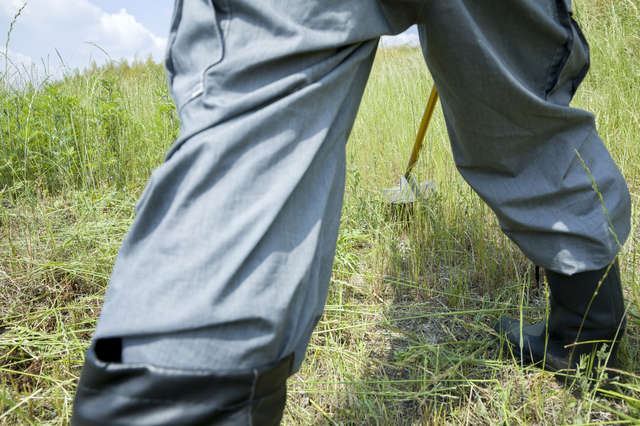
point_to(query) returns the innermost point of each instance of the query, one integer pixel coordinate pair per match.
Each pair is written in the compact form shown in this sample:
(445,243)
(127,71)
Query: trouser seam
(223,32)
(198,89)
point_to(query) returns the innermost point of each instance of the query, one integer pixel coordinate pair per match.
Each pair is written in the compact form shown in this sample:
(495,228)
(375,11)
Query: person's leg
(224,272)
(506,72)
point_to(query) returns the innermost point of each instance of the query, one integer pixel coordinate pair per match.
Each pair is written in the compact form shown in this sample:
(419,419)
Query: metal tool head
(408,192)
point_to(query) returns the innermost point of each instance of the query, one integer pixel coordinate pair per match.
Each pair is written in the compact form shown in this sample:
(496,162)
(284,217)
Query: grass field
(406,336)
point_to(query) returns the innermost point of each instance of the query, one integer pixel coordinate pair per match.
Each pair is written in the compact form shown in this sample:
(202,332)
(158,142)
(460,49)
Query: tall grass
(107,126)
(406,336)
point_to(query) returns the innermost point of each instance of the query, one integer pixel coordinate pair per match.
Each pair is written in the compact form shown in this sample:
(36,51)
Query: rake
(409,191)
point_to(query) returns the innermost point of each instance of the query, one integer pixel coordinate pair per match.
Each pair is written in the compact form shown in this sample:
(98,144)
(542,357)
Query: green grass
(406,336)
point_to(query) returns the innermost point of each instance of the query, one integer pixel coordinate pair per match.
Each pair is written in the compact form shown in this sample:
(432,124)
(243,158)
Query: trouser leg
(226,266)
(506,71)
(235,234)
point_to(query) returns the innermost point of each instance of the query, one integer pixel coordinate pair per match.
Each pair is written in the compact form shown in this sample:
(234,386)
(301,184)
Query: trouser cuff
(140,394)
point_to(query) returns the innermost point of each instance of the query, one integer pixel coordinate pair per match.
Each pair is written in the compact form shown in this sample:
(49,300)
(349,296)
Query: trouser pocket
(573,59)
(195,44)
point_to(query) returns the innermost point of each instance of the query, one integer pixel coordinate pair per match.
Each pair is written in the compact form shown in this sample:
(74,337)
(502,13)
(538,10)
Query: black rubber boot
(112,393)
(579,323)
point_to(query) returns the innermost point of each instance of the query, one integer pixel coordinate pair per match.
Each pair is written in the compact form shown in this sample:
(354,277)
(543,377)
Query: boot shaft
(586,306)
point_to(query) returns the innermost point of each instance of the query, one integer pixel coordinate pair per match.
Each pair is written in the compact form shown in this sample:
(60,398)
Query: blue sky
(79,31)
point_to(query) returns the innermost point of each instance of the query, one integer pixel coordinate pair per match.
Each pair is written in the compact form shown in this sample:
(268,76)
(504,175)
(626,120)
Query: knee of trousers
(111,392)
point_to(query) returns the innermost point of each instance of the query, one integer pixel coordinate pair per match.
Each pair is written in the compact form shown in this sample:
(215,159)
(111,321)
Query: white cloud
(10,7)
(407,38)
(13,62)
(17,69)
(16,59)
(120,32)
(79,31)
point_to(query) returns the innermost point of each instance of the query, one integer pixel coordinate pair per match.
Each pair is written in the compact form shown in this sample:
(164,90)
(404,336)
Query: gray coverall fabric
(227,263)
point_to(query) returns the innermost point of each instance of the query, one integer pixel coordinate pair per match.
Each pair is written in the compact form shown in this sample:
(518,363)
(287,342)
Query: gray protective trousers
(228,261)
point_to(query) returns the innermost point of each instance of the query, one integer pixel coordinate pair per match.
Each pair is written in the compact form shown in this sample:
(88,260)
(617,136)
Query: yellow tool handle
(424,124)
